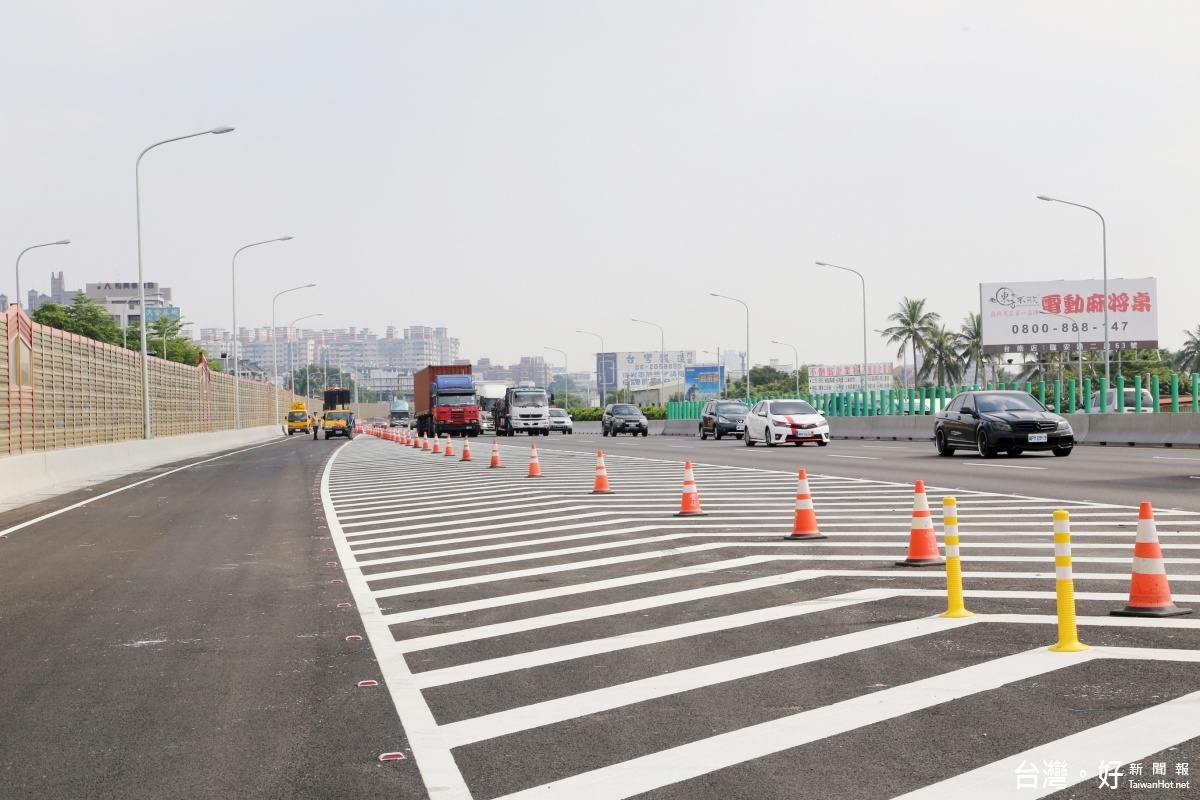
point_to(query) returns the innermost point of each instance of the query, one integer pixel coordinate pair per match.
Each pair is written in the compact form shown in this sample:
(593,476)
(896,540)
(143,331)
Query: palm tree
(913,326)
(971,345)
(1187,359)
(942,358)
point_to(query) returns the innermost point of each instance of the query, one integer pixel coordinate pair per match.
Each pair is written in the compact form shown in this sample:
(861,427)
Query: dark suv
(723,418)
(623,418)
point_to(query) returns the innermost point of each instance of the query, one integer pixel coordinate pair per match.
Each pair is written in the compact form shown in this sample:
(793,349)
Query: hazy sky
(516,171)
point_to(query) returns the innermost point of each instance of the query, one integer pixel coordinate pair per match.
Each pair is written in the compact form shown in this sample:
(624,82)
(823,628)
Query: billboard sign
(1056,316)
(827,378)
(642,369)
(154,312)
(703,383)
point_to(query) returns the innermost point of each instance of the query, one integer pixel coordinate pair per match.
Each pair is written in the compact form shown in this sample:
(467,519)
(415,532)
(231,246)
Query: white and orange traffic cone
(922,542)
(466,454)
(535,469)
(1149,593)
(425,443)
(414,440)
(437,444)
(804,525)
(449,446)
(495,456)
(601,486)
(689,505)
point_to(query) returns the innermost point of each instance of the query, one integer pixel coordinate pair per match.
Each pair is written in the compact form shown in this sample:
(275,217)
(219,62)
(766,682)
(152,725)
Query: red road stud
(353,638)
(367,684)
(331,563)
(392,757)
(343,605)
(336,580)
(327,550)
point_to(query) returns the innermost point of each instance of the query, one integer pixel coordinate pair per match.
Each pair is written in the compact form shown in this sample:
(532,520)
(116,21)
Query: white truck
(524,409)
(491,396)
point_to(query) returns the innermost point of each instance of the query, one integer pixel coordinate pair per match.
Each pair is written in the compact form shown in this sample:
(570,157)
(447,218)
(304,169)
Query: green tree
(913,326)
(164,338)
(941,351)
(1187,359)
(970,350)
(84,317)
(767,382)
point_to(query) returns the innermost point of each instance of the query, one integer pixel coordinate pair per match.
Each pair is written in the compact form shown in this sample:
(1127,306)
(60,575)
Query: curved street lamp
(662,343)
(599,369)
(23,252)
(137,201)
(734,299)
(566,376)
(291,371)
(275,344)
(237,395)
(863,382)
(1104,256)
(797,357)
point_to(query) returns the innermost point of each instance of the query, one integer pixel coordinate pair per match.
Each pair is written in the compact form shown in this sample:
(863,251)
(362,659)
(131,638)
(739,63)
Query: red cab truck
(444,401)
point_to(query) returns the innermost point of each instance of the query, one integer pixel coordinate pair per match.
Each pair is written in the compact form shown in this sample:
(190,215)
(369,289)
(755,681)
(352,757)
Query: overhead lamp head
(63,241)
(823,264)
(1043,197)
(308,286)
(222,129)
(283,238)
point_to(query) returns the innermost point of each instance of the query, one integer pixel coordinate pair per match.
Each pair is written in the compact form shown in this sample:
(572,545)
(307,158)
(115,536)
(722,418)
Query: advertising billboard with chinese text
(703,383)
(826,378)
(644,368)
(1053,316)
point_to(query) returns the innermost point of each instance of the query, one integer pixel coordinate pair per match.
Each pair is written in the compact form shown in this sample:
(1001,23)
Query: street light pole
(137,204)
(23,252)
(237,395)
(863,382)
(797,357)
(566,377)
(1104,256)
(662,344)
(600,369)
(748,395)
(291,369)
(275,344)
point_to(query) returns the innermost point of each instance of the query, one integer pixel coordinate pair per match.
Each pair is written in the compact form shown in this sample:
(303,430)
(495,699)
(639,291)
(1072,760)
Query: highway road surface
(182,637)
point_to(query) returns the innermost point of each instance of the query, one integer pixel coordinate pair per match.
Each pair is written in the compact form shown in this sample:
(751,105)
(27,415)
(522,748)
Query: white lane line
(1128,739)
(885,447)
(1175,458)
(441,775)
(999,466)
(864,458)
(677,764)
(503,723)
(118,490)
(553,655)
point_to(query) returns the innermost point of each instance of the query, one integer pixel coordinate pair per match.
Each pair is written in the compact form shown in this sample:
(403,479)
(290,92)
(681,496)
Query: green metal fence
(932,399)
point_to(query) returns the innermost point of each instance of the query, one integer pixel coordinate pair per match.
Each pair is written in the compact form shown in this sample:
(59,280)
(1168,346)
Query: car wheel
(939,440)
(1062,452)
(798,444)
(290,433)
(645,431)
(823,444)
(983,446)
(704,433)
(717,434)
(603,431)
(768,436)
(747,439)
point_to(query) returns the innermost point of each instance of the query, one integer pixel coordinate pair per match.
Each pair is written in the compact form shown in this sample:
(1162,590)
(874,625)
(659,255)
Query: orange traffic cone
(495,455)
(690,504)
(425,443)
(922,542)
(437,444)
(1149,594)
(804,526)
(601,476)
(449,446)
(414,440)
(535,469)
(466,456)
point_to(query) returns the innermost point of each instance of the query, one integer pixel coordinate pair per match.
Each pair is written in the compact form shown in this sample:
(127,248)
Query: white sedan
(776,421)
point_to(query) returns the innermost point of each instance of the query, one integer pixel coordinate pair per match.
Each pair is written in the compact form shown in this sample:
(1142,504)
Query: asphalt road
(181,639)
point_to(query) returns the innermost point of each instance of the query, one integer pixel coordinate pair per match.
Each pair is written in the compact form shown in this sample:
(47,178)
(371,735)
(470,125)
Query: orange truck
(444,401)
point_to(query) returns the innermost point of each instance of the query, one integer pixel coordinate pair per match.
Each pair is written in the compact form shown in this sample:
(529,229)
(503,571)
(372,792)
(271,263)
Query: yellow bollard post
(1068,632)
(956,608)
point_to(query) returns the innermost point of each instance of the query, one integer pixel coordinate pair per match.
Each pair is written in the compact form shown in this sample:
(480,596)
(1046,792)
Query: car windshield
(530,399)
(342,415)
(456,400)
(1016,401)
(626,410)
(557,412)
(792,407)
(297,416)
(732,408)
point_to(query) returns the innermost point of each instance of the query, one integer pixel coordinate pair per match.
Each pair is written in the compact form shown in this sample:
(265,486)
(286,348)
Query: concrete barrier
(34,476)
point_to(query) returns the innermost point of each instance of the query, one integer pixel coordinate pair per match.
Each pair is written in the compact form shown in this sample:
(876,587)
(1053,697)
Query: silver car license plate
(1037,437)
(741,427)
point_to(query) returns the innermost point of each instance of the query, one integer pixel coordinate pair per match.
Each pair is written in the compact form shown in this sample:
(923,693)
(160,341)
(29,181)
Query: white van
(1130,401)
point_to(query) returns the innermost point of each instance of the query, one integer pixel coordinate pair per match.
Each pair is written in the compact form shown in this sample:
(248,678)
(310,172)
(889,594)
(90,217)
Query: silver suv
(623,418)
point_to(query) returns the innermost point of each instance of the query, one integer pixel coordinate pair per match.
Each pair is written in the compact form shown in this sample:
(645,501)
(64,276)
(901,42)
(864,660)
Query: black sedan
(989,422)
(723,418)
